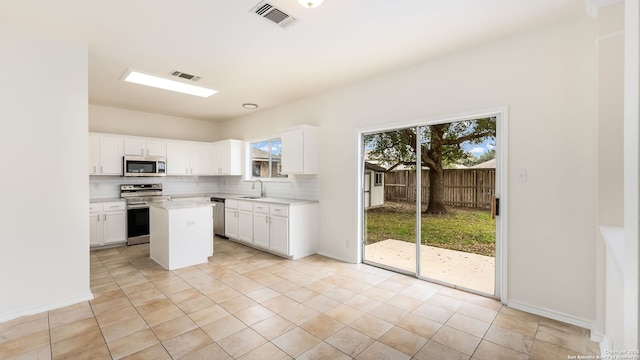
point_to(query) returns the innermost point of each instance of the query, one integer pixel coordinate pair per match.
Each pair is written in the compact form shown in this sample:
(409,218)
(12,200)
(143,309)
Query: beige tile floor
(246,304)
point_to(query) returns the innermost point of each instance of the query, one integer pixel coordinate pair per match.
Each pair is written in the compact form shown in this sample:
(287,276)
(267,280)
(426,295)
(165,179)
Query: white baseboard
(339,258)
(14,315)
(555,315)
(603,341)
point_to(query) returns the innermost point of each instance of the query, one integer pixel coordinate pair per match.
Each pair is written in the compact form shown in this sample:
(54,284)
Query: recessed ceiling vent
(267,11)
(182,75)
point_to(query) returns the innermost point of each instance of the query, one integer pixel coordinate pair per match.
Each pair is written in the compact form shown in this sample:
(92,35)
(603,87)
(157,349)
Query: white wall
(631,171)
(610,45)
(104,119)
(610,114)
(44,229)
(547,79)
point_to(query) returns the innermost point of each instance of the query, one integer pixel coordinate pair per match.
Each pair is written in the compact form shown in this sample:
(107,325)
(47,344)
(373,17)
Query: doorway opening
(429,201)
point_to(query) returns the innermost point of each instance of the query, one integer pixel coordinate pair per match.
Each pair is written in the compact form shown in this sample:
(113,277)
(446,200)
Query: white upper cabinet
(188,158)
(200,156)
(178,162)
(156,148)
(94,154)
(135,147)
(178,158)
(105,155)
(185,158)
(145,147)
(228,157)
(300,150)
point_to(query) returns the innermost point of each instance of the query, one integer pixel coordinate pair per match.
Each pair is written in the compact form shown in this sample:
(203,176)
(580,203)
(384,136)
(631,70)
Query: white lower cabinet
(107,223)
(287,230)
(261,225)
(238,218)
(245,226)
(95,229)
(271,227)
(279,234)
(231,219)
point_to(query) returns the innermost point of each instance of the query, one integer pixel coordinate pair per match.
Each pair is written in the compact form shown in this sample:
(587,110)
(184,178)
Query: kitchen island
(181,233)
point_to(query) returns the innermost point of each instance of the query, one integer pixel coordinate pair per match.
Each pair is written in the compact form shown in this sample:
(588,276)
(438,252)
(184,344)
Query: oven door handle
(137,205)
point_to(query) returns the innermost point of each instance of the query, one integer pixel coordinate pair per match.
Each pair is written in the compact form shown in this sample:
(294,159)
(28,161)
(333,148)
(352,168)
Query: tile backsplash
(109,186)
(297,186)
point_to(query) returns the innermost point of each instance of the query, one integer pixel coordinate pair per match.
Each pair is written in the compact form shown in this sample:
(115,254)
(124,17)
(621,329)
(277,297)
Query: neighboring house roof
(258,154)
(490,164)
(403,167)
(374,167)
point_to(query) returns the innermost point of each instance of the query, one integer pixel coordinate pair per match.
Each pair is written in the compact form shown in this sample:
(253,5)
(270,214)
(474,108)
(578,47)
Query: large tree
(440,144)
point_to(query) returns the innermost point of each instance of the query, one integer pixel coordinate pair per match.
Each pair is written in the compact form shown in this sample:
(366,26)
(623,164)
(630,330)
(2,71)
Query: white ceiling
(249,59)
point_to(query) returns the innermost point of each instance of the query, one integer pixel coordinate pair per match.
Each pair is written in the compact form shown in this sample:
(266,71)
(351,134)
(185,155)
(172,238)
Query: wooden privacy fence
(462,187)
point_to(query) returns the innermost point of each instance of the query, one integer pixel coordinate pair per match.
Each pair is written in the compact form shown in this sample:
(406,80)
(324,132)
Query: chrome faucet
(254,186)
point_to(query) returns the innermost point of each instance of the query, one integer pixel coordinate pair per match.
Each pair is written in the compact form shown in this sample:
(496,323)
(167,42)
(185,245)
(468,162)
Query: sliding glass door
(434,218)
(390,227)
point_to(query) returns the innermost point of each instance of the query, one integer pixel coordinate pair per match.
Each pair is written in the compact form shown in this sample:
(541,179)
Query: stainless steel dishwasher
(218,216)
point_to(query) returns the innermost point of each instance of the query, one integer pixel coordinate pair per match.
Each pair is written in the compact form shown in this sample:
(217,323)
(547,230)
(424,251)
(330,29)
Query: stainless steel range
(138,197)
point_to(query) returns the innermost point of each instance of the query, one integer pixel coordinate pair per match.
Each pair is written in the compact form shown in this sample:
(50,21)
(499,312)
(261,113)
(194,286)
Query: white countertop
(178,204)
(285,201)
(182,196)
(176,201)
(92,201)
(274,200)
(204,195)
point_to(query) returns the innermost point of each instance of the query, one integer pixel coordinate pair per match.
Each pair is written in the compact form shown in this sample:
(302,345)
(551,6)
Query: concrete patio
(463,269)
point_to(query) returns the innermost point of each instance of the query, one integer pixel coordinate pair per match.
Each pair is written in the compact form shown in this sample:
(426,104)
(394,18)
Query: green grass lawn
(465,230)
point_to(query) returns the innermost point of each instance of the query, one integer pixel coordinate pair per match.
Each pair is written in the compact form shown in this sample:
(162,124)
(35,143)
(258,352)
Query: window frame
(270,163)
(376,175)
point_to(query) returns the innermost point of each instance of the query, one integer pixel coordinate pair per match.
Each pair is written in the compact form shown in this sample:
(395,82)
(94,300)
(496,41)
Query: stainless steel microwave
(144,166)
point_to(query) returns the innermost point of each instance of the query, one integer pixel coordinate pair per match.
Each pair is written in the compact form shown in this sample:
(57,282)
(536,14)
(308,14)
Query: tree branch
(393,167)
(462,139)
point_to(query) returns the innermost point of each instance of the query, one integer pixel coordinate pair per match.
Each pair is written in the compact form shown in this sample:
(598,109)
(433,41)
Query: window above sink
(266,159)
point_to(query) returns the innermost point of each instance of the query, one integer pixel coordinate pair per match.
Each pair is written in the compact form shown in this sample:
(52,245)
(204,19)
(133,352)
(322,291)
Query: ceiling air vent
(268,11)
(180,74)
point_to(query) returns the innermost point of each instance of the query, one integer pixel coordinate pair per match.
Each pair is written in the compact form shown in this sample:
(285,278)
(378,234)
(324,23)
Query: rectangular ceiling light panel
(162,83)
